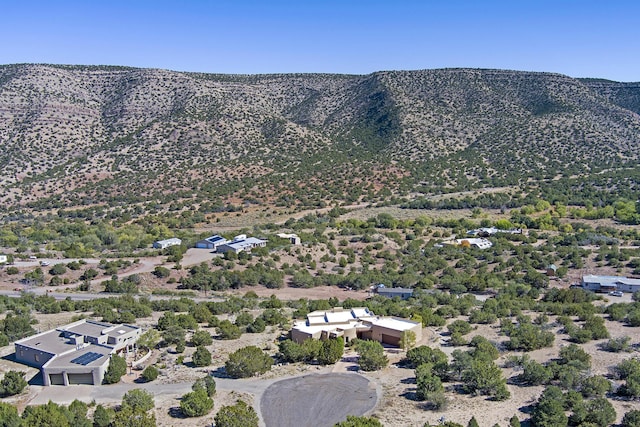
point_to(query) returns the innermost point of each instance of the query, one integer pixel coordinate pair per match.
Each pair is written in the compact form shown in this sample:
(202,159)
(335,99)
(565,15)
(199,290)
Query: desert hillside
(87,135)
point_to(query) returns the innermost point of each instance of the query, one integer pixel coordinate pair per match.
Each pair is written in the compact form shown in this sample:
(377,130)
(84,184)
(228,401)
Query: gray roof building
(77,353)
(610,283)
(403,293)
(211,242)
(242,243)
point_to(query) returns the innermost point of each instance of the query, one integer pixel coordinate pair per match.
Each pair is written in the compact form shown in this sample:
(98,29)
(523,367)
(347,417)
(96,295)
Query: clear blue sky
(580,38)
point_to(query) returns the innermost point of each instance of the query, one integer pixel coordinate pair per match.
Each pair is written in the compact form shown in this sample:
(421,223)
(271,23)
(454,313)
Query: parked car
(615,293)
(44,263)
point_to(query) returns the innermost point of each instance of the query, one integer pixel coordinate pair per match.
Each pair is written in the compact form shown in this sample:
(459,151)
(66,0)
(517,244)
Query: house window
(21,353)
(36,357)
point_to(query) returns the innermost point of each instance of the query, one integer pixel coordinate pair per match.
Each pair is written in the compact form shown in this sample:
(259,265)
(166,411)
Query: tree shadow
(176,412)
(410,394)
(527,409)
(430,406)
(220,372)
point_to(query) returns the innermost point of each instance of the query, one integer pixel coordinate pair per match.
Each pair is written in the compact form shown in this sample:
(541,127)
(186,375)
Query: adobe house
(353,323)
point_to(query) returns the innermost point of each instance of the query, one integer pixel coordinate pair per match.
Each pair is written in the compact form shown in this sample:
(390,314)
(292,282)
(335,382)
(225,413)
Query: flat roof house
(357,322)
(77,353)
(402,293)
(480,243)
(610,283)
(211,242)
(490,231)
(293,238)
(163,244)
(242,243)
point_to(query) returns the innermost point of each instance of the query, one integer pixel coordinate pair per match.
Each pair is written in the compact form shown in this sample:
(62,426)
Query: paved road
(113,393)
(317,400)
(80,296)
(296,401)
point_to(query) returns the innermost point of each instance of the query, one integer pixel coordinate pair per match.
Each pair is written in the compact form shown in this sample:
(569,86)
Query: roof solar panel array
(86,358)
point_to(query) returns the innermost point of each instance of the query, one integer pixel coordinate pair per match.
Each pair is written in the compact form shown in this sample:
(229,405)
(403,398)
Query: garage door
(56,379)
(390,339)
(80,378)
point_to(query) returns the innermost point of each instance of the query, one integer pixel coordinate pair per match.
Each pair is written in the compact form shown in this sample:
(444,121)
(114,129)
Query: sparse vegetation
(563,168)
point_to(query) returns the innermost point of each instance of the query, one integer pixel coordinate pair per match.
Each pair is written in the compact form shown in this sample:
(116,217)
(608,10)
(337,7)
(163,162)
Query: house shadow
(10,357)
(37,379)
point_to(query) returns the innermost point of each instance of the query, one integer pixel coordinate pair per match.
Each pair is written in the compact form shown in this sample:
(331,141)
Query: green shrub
(248,361)
(196,404)
(201,357)
(138,400)
(238,415)
(13,383)
(200,338)
(371,355)
(207,384)
(150,373)
(117,368)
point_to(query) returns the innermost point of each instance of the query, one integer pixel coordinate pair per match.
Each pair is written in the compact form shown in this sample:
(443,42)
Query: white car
(615,293)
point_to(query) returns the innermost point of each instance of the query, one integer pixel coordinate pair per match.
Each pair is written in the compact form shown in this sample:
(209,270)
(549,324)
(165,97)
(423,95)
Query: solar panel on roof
(86,358)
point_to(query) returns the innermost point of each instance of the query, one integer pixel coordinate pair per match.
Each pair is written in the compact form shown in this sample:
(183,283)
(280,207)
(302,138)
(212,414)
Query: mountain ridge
(75,132)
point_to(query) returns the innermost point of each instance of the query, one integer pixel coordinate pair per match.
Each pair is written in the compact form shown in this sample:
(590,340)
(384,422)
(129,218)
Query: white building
(163,244)
(350,324)
(293,238)
(3,259)
(242,243)
(490,231)
(610,283)
(480,243)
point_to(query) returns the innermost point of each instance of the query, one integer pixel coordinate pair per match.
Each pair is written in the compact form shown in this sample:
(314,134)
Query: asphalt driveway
(317,400)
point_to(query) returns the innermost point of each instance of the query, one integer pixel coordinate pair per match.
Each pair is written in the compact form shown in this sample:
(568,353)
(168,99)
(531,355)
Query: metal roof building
(610,283)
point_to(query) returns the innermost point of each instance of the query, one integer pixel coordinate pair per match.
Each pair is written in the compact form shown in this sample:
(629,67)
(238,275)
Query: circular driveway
(317,400)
